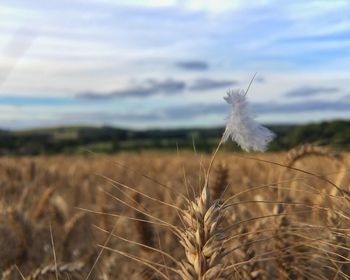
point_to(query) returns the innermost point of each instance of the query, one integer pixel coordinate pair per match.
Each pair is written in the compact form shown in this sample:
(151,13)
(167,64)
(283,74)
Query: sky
(169,63)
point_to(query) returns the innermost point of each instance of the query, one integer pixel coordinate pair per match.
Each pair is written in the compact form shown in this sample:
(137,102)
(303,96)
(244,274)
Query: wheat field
(162,216)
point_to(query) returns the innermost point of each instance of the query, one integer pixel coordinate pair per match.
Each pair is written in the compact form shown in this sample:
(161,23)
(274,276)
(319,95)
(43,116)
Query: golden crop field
(152,216)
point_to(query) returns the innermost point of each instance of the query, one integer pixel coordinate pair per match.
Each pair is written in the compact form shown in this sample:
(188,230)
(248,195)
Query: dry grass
(154,216)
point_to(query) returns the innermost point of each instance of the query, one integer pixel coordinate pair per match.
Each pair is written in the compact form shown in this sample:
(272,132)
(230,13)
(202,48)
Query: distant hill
(80,139)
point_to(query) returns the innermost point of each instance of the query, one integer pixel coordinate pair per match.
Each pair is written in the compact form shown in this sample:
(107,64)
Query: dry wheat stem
(129,218)
(101,251)
(244,234)
(54,252)
(116,184)
(339,272)
(187,186)
(275,185)
(139,244)
(269,185)
(262,217)
(340,190)
(140,211)
(327,243)
(145,262)
(153,180)
(298,203)
(20,272)
(177,209)
(244,244)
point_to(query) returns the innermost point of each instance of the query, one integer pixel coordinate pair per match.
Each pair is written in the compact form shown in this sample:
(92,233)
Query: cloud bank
(307,91)
(152,87)
(194,65)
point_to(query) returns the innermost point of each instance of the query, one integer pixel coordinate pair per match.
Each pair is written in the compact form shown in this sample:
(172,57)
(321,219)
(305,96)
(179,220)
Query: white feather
(241,126)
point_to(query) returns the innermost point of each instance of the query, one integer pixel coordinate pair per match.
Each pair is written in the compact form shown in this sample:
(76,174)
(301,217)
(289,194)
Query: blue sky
(168,63)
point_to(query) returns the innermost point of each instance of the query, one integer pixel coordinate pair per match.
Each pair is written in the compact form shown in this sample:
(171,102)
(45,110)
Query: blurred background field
(41,192)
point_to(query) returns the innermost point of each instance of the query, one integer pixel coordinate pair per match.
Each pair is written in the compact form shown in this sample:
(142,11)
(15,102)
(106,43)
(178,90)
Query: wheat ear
(42,204)
(69,270)
(221,181)
(202,239)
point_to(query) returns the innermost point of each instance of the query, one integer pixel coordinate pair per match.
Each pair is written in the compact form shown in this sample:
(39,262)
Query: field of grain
(152,216)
